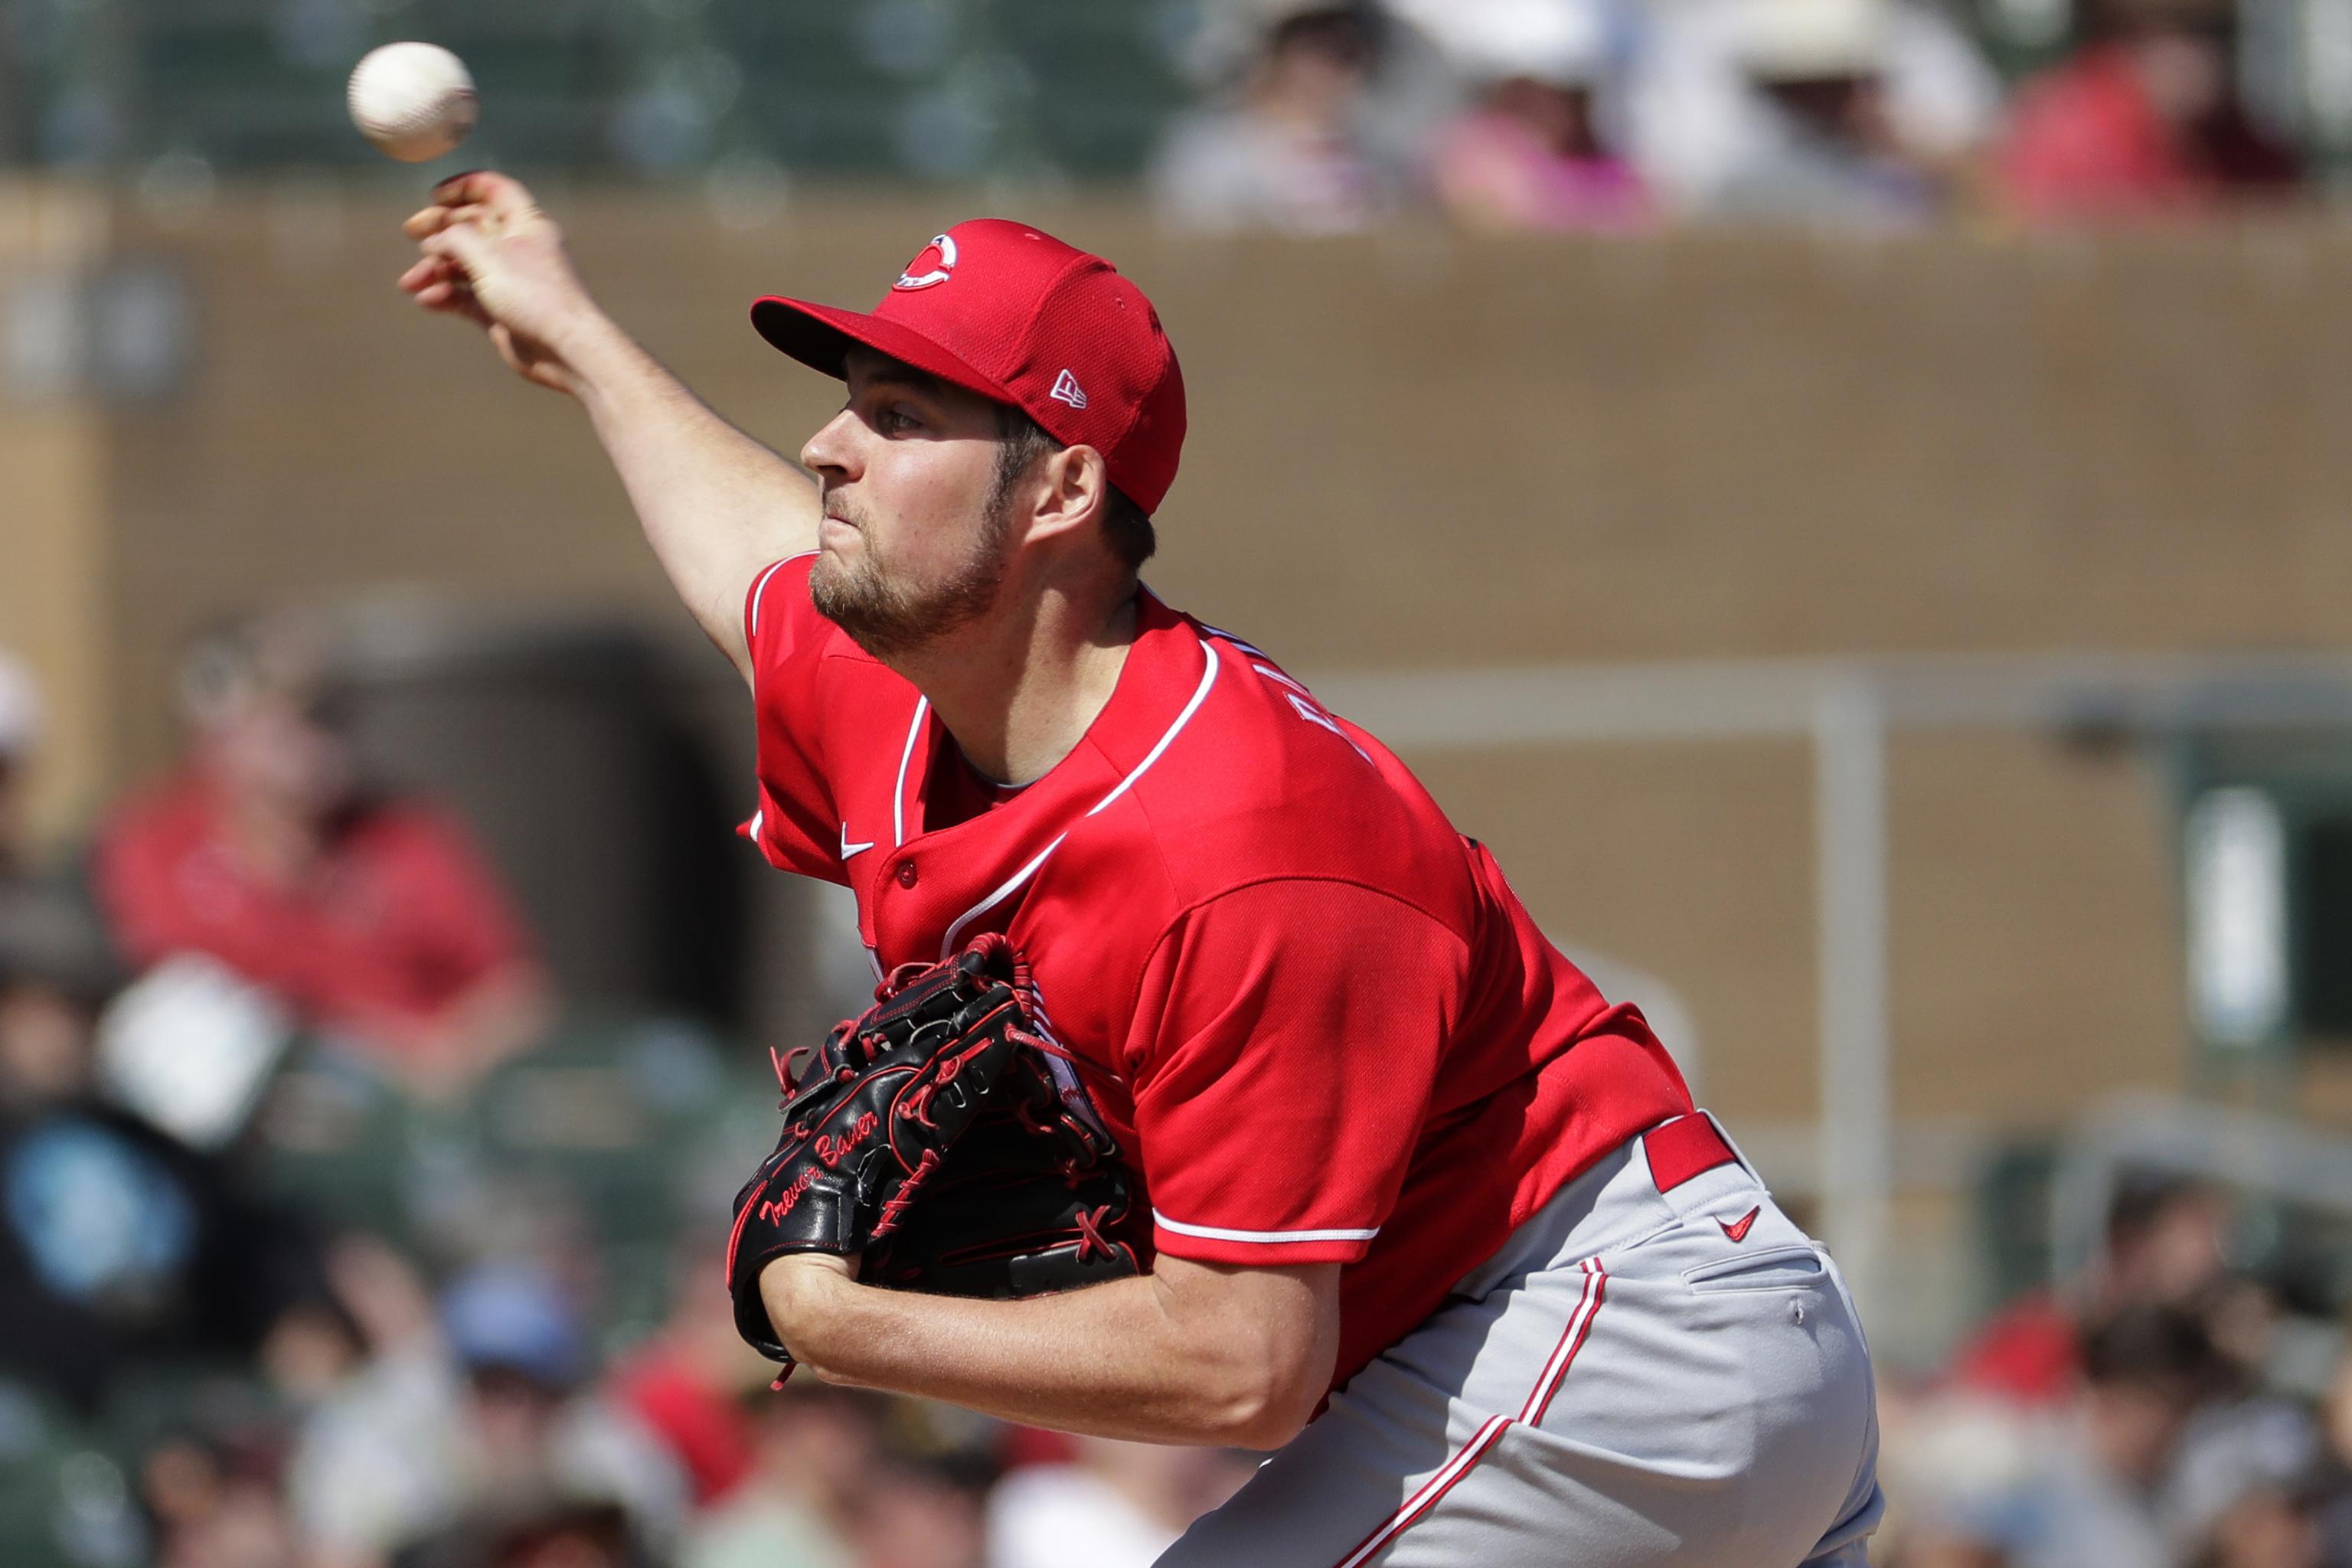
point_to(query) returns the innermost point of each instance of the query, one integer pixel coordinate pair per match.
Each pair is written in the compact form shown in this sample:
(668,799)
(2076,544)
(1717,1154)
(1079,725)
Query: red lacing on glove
(899,979)
(995,948)
(1029,1122)
(1090,1236)
(896,1209)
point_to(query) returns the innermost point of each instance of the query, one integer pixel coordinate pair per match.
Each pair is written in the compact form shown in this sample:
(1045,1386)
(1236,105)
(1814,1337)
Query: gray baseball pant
(1639,1377)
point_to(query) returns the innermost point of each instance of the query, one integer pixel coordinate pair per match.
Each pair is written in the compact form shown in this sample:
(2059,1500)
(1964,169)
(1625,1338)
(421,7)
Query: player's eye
(897,420)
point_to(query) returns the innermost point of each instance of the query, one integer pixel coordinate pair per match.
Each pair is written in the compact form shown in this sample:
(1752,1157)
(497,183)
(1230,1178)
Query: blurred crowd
(2162,1410)
(201,1367)
(1332,116)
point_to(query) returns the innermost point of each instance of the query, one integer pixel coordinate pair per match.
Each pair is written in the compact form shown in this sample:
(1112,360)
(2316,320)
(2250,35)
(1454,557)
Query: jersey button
(906,878)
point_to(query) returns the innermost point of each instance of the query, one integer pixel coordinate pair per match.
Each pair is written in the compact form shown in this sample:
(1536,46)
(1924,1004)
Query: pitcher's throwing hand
(492,256)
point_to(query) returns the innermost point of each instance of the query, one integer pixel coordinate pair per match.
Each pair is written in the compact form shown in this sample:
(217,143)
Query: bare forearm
(1118,1360)
(716,505)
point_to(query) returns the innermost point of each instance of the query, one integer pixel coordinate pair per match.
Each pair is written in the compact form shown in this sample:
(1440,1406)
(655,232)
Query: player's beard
(887,616)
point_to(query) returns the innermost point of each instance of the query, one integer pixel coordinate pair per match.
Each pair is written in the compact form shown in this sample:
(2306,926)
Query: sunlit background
(1848,497)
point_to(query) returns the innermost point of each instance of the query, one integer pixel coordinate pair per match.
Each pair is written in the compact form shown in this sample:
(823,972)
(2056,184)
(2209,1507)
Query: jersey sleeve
(797,825)
(1287,1037)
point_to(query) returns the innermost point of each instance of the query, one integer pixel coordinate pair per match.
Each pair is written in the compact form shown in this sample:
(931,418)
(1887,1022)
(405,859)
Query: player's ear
(1073,489)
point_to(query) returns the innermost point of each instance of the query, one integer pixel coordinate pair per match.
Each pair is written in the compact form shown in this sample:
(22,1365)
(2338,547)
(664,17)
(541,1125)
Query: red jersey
(401,919)
(1316,1017)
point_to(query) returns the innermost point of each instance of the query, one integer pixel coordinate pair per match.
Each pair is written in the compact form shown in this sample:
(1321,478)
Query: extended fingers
(460,245)
(429,221)
(504,196)
(438,285)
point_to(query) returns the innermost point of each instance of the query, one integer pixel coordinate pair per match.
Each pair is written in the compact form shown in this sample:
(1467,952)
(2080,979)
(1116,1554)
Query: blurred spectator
(20,734)
(2166,1245)
(2145,121)
(537,1530)
(118,1247)
(373,918)
(1530,155)
(2332,1512)
(2239,1489)
(1721,119)
(687,1383)
(1291,151)
(2269,1527)
(927,1512)
(2145,1372)
(1942,97)
(1120,1505)
(364,1366)
(215,1502)
(813,1448)
(529,1424)
(1826,150)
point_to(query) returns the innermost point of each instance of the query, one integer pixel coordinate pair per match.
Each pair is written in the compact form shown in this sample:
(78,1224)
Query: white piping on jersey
(1200,695)
(899,796)
(948,947)
(1269,1238)
(761,586)
(1228,637)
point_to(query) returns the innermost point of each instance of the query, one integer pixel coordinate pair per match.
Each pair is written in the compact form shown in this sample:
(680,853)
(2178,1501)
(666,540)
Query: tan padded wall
(54,521)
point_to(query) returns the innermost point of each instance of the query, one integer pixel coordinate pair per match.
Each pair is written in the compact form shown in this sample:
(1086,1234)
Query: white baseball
(414,101)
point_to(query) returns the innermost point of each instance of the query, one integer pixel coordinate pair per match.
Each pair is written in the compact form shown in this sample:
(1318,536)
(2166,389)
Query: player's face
(913,543)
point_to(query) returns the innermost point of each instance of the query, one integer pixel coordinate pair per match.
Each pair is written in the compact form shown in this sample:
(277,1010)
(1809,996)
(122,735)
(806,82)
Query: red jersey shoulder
(831,721)
(1268,784)
(784,630)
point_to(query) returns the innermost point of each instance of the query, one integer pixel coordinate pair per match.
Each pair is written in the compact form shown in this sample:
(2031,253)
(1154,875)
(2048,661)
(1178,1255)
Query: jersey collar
(1163,667)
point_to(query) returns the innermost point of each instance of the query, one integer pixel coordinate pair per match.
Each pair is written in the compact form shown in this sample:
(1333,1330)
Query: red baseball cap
(1014,314)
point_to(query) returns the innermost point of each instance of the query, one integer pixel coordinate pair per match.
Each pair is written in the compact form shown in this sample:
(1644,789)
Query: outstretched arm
(716,505)
(1192,1352)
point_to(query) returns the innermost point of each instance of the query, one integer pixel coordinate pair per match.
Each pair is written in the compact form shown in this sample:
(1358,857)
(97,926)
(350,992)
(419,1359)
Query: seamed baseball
(414,101)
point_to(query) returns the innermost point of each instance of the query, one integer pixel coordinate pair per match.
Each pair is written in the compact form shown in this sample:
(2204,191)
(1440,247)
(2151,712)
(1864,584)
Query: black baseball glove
(931,1136)
(1033,1199)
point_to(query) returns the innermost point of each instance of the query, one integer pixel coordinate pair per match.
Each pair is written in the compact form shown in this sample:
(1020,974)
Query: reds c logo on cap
(932,265)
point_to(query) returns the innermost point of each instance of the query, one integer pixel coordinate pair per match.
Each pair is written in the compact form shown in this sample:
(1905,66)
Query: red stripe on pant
(1579,1325)
(1548,1382)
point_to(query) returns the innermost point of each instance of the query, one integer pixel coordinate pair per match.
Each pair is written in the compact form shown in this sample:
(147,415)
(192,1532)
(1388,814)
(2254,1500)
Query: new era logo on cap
(1027,318)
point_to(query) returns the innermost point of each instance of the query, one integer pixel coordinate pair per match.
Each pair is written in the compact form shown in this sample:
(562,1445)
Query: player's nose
(834,447)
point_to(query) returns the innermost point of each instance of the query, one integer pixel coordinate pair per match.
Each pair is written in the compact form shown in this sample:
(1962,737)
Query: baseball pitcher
(1216,1089)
